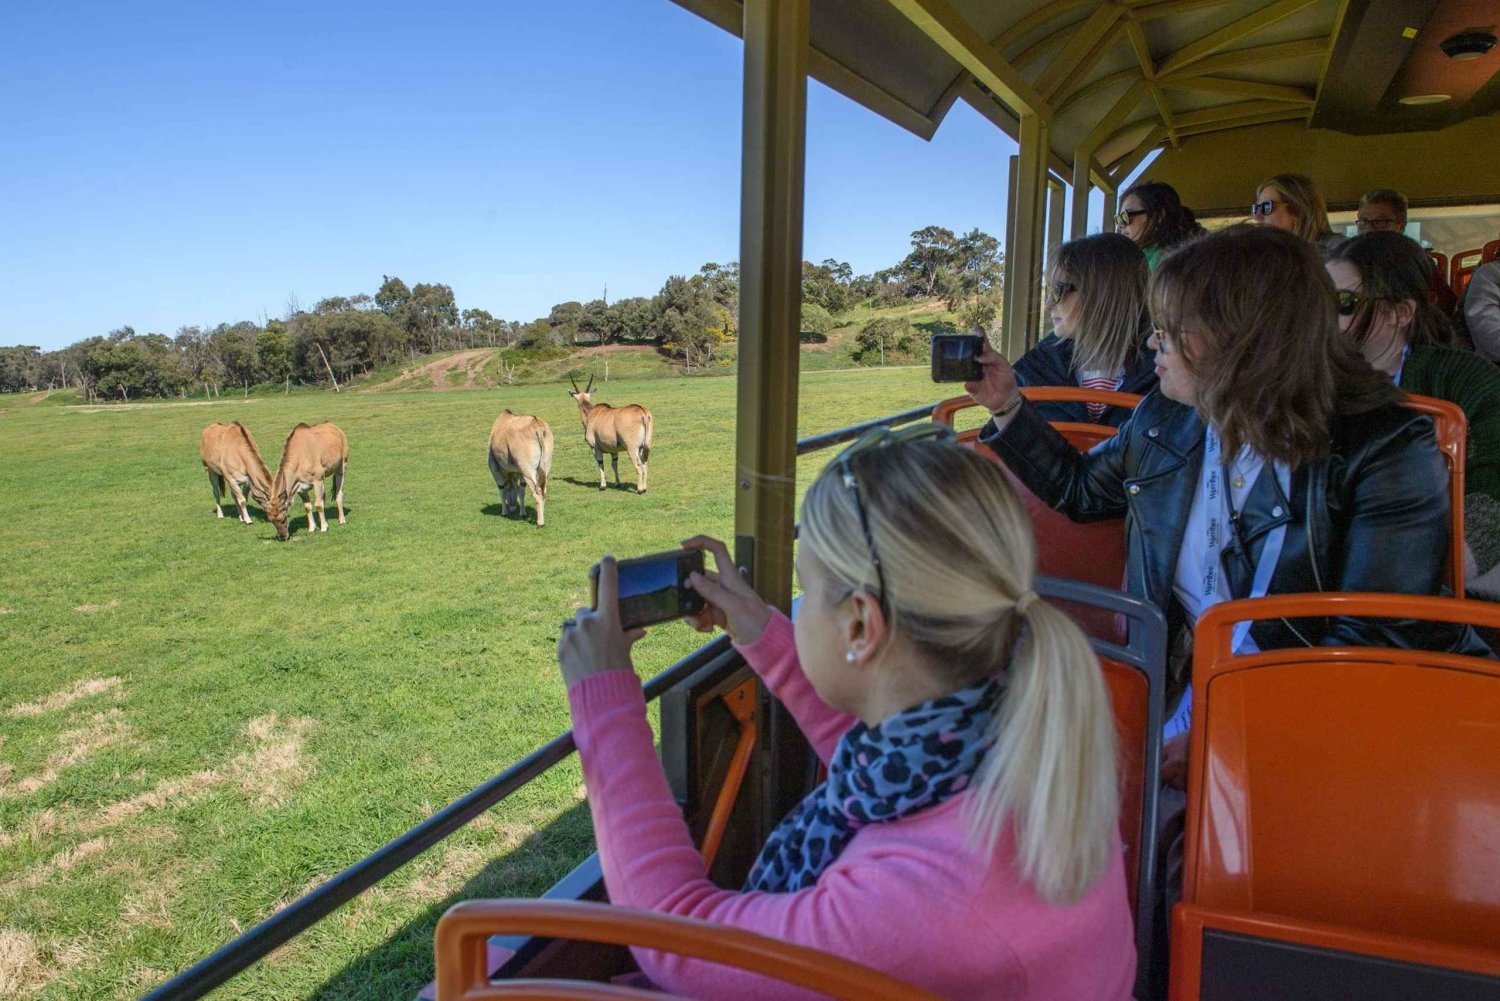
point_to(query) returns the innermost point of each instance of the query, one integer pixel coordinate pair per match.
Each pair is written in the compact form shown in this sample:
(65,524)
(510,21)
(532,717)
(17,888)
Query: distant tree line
(692,318)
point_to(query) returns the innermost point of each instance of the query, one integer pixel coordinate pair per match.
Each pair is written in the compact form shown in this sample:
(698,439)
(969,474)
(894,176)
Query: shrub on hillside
(816,319)
(886,339)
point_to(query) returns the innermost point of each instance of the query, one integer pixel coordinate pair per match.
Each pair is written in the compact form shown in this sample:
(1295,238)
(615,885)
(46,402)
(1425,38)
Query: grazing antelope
(614,430)
(230,455)
(311,453)
(520,453)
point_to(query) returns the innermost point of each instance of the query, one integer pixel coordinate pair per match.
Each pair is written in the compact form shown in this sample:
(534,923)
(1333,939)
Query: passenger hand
(1174,763)
(592,641)
(996,388)
(733,604)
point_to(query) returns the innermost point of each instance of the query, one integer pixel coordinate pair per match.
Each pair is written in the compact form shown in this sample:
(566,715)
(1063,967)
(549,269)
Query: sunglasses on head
(1056,293)
(1124,216)
(1264,208)
(882,437)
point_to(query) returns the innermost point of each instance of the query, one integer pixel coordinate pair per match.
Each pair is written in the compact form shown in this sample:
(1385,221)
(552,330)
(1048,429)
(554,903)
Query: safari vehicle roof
(1232,90)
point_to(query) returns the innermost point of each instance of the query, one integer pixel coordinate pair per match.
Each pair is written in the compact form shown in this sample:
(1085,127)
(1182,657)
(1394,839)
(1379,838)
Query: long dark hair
(1393,268)
(1168,221)
(1271,366)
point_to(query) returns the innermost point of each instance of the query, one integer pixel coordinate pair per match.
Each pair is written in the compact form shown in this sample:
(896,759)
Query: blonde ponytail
(1051,774)
(958,559)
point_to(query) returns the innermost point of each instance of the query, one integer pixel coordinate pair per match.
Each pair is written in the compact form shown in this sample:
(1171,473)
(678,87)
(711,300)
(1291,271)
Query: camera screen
(957,349)
(648,591)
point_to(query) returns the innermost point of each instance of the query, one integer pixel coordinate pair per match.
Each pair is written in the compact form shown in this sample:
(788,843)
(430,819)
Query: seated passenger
(1273,460)
(1382,284)
(1479,311)
(1096,297)
(1153,216)
(1293,202)
(963,841)
(1382,210)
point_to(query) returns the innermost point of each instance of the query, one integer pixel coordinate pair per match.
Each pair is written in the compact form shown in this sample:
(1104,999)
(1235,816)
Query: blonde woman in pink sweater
(965,839)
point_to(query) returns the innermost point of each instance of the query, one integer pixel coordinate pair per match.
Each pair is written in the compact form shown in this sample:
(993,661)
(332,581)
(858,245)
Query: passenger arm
(1085,486)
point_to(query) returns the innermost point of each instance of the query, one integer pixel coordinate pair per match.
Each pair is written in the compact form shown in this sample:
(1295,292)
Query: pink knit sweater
(909,897)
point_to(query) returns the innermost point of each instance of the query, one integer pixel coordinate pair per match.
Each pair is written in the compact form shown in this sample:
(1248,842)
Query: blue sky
(191,163)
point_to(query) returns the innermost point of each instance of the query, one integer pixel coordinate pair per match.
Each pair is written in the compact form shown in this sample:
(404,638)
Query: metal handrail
(307,910)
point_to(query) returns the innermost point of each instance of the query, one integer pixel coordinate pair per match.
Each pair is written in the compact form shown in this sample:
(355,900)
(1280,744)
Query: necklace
(1236,473)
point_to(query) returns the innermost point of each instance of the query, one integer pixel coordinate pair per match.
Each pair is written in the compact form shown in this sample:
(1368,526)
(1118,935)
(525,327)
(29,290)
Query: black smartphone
(655,588)
(955,357)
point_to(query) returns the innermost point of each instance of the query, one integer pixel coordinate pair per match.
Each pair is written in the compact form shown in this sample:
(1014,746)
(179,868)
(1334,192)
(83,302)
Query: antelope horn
(591,385)
(573,381)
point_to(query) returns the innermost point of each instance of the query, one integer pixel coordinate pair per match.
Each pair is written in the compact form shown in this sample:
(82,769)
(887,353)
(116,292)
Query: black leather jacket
(1373,516)
(1050,363)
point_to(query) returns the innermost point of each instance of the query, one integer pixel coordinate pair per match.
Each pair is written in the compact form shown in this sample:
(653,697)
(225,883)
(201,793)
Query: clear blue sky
(194,163)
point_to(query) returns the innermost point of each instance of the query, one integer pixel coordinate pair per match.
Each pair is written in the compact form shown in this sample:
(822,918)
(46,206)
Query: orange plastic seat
(1135,674)
(1343,813)
(1092,552)
(464,930)
(1452,429)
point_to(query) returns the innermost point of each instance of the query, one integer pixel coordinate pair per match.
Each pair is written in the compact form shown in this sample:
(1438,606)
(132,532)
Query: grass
(198,723)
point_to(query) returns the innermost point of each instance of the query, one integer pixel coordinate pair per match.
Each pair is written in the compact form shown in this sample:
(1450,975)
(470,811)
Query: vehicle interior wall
(1217,174)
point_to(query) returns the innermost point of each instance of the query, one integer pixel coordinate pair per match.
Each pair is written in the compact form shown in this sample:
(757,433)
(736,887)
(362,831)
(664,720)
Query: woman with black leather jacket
(1096,300)
(1273,459)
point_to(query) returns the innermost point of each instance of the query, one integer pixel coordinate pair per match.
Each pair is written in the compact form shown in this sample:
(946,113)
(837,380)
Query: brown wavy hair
(1109,271)
(1168,221)
(1271,367)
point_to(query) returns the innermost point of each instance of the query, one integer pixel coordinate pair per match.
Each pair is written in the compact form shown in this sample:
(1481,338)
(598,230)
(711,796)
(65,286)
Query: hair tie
(1025,601)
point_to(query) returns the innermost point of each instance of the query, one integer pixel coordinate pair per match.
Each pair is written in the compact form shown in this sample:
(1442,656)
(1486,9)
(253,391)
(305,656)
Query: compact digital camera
(655,588)
(955,357)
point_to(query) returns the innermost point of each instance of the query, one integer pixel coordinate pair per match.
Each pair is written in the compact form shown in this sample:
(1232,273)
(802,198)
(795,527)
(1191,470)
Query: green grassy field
(198,723)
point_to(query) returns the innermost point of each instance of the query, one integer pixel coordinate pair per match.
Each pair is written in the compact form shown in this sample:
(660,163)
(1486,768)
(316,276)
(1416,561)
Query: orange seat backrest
(1092,552)
(1129,695)
(1452,439)
(1490,252)
(1354,787)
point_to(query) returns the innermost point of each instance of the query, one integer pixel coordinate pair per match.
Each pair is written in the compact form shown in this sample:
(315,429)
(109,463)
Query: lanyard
(1218,501)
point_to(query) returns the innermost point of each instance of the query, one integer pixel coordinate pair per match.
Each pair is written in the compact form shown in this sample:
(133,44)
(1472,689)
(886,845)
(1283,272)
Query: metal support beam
(771,194)
(1056,200)
(1229,34)
(1023,255)
(1111,206)
(939,21)
(1078,54)
(1079,219)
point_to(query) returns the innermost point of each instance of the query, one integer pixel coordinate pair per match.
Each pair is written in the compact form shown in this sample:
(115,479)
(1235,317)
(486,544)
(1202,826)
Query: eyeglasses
(1056,293)
(882,437)
(1124,216)
(1265,208)
(1379,222)
(1163,341)
(1350,301)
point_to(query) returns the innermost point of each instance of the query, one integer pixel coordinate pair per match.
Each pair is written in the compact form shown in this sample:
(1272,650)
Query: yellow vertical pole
(1023,257)
(774,136)
(1079,223)
(771,194)
(1111,206)
(1055,201)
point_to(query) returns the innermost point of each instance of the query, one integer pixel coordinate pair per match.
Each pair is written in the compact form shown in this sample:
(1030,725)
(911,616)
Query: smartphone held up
(655,588)
(955,357)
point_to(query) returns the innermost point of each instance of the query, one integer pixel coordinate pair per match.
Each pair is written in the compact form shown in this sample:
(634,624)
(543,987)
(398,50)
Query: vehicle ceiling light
(1416,99)
(1469,44)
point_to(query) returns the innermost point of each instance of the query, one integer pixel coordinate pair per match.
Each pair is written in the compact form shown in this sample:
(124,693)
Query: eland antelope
(520,450)
(230,456)
(614,430)
(311,453)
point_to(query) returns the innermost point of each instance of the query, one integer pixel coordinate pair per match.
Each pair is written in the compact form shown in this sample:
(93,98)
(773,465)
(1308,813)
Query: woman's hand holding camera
(592,641)
(996,389)
(733,604)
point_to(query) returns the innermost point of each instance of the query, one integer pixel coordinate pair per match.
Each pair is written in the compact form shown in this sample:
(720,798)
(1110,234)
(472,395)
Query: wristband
(1009,408)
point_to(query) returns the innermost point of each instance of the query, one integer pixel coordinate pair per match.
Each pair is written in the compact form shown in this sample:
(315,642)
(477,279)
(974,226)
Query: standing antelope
(311,453)
(520,450)
(614,430)
(230,455)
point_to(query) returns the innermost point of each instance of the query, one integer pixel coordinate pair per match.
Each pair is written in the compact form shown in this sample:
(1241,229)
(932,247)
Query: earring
(849,656)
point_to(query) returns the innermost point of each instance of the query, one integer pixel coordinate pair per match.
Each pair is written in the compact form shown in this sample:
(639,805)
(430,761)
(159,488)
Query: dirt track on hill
(471,362)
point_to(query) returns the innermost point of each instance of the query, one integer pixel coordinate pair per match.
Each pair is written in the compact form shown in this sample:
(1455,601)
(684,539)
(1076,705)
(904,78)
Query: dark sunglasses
(1055,293)
(882,437)
(1264,208)
(1349,302)
(1123,217)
